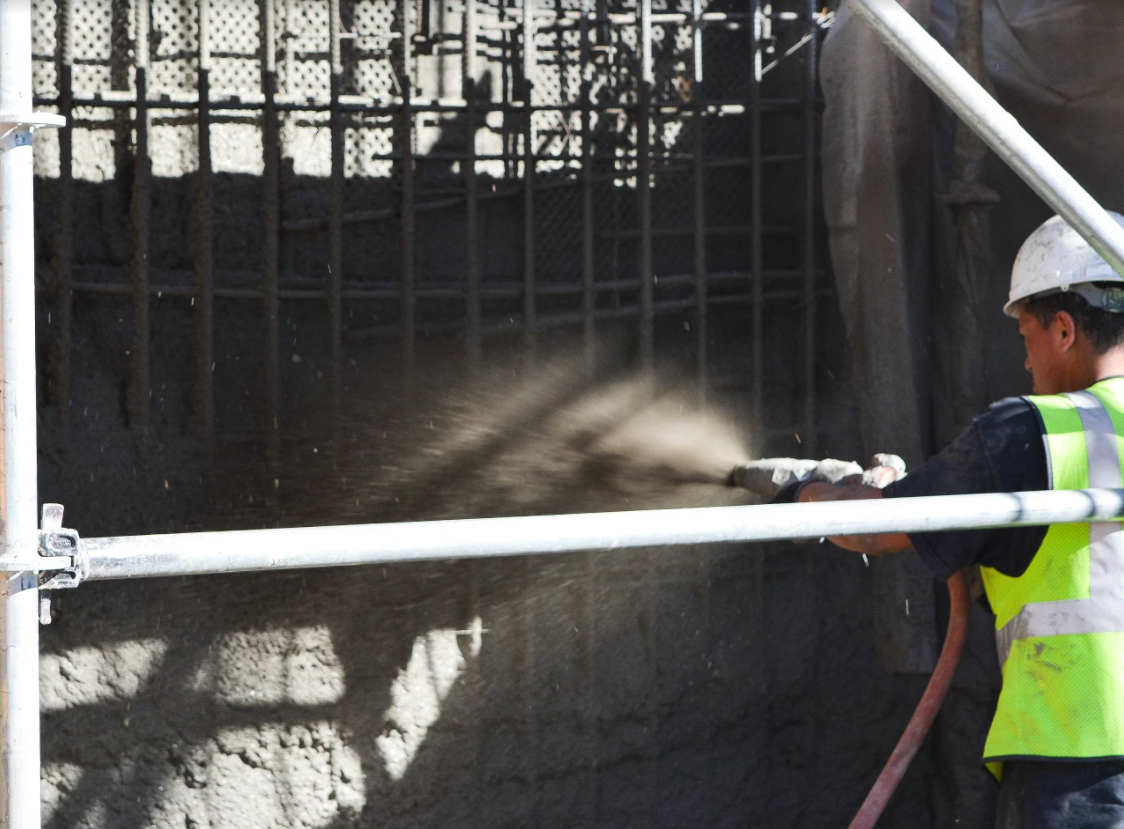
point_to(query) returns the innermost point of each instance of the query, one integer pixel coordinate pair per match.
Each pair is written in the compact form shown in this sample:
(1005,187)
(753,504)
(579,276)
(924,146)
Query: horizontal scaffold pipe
(283,549)
(997,127)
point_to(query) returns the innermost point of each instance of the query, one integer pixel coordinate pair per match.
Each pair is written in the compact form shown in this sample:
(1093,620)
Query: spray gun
(770,477)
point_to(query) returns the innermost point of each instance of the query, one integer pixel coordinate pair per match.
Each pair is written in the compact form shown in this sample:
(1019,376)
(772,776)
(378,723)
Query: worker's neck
(1100,367)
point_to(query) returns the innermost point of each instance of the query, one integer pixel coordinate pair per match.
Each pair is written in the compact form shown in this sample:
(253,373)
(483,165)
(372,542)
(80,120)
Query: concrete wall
(710,687)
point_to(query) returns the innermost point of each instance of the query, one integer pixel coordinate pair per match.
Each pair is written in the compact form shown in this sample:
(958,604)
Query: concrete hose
(922,719)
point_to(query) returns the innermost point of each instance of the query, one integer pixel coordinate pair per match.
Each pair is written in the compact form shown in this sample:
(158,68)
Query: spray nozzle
(769,476)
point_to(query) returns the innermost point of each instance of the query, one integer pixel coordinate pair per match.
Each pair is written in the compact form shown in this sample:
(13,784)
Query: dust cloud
(557,442)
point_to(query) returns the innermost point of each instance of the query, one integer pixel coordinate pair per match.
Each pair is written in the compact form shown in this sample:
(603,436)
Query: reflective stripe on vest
(1103,611)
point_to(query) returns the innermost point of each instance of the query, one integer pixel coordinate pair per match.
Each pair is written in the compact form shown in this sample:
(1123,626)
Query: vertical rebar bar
(63,254)
(647,360)
(530,59)
(335,224)
(644,189)
(756,266)
(472,263)
(408,332)
(19,594)
(697,109)
(204,248)
(810,57)
(138,403)
(271,227)
(589,334)
(530,332)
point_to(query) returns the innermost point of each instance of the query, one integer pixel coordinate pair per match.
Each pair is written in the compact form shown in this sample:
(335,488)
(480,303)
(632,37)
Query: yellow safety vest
(1059,627)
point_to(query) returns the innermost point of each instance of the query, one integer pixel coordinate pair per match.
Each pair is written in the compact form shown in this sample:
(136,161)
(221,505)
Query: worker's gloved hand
(884,469)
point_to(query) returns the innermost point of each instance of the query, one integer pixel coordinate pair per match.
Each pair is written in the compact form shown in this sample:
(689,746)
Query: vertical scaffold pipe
(19,593)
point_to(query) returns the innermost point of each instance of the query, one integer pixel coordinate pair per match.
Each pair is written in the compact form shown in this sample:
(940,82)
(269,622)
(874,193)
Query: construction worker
(1056,742)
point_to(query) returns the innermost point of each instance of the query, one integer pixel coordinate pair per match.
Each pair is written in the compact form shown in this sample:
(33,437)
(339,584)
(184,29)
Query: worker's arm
(855,490)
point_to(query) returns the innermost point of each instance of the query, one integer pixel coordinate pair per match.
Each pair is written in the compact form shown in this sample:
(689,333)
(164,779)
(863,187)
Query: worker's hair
(1103,330)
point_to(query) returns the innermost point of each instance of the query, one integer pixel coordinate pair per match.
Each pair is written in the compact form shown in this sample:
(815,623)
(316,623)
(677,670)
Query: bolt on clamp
(62,561)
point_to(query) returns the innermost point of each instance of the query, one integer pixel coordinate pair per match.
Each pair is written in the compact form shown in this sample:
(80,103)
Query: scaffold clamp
(62,562)
(16,129)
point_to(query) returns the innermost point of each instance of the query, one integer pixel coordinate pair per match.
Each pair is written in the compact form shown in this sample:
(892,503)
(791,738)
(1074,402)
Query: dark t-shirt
(1002,450)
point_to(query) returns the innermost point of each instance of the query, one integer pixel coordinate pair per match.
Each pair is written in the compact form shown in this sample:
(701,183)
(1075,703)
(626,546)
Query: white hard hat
(1055,258)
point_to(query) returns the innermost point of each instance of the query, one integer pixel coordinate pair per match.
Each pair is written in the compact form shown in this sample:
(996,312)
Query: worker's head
(1070,306)
(1064,335)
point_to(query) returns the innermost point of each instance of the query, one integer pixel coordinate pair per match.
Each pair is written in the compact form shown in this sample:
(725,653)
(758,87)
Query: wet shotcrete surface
(717,686)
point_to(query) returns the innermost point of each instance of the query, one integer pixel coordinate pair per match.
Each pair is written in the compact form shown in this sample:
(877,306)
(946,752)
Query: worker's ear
(1064,330)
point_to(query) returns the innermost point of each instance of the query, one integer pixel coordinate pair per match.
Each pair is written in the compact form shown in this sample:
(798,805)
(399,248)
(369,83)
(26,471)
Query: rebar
(589,332)
(62,259)
(644,187)
(408,300)
(810,227)
(757,357)
(530,333)
(641,168)
(204,307)
(271,243)
(335,224)
(699,179)
(139,210)
(472,257)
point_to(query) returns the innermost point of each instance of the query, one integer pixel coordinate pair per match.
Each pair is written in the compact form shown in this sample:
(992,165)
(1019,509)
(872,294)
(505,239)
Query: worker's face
(1051,352)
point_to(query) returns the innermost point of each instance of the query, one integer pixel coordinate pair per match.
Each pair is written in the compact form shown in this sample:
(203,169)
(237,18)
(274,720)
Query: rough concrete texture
(698,687)
(333,699)
(732,686)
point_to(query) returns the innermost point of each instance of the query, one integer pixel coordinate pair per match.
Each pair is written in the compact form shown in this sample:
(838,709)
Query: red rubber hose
(922,719)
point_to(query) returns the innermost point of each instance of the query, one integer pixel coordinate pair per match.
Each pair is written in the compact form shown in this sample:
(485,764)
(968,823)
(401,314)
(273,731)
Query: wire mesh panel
(253,191)
(564,165)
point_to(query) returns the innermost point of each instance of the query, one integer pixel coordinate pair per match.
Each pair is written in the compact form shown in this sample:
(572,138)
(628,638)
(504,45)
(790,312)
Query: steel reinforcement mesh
(427,166)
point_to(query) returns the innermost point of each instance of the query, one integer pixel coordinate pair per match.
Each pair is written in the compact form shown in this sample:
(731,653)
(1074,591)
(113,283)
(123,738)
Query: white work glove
(884,469)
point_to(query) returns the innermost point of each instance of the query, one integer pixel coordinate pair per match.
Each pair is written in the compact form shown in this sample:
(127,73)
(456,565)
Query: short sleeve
(1000,451)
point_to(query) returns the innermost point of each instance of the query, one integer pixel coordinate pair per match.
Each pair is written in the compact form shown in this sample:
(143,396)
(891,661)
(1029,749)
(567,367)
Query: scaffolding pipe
(287,549)
(19,593)
(949,80)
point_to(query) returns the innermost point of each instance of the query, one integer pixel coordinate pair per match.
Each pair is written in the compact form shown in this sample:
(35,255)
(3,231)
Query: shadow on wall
(580,691)
(722,686)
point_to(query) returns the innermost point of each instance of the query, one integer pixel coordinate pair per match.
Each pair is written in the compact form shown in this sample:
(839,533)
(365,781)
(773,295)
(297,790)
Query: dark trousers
(1051,795)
